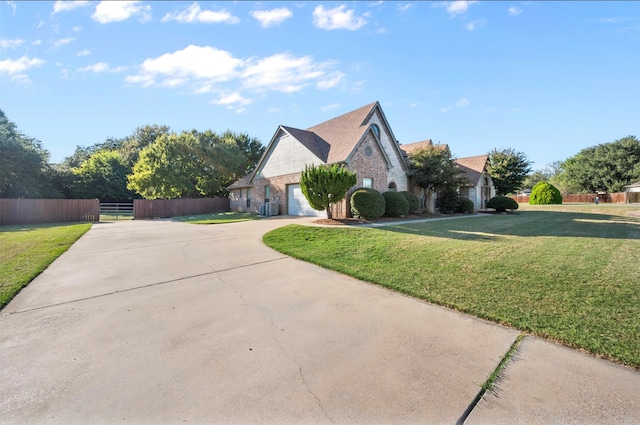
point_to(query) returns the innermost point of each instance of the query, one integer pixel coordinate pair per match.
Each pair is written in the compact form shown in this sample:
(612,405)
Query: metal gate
(116,211)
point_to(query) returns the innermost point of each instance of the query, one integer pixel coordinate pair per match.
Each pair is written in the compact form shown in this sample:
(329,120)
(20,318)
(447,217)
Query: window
(248,197)
(393,187)
(368,151)
(376,130)
(367,182)
(267,193)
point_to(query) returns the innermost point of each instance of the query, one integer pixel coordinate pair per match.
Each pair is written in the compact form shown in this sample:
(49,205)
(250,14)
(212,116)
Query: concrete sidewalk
(165,322)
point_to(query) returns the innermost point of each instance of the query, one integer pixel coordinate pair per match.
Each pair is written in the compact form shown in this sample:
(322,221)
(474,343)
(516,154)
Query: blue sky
(545,78)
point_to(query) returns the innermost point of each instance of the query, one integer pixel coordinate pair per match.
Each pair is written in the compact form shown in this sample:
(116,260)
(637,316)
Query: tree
(325,185)
(545,194)
(434,170)
(104,176)
(606,167)
(24,164)
(508,169)
(193,164)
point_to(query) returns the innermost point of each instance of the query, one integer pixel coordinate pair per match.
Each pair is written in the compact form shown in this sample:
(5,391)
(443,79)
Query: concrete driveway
(165,322)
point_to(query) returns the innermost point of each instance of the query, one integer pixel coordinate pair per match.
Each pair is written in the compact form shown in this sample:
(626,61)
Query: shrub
(502,203)
(414,204)
(367,204)
(395,204)
(545,193)
(447,200)
(465,206)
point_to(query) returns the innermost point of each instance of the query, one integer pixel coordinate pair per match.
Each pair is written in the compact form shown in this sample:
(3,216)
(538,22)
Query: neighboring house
(632,192)
(362,140)
(480,189)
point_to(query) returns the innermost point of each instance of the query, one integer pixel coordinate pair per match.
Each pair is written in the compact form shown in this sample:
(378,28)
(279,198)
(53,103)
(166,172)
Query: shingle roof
(243,182)
(344,132)
(412,147)
(473,167)
(311,141)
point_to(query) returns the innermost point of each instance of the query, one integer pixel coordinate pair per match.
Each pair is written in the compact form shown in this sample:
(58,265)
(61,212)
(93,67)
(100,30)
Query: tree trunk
(329,215)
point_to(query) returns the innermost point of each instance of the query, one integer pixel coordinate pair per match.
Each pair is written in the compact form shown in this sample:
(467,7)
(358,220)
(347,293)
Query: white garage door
(298,204)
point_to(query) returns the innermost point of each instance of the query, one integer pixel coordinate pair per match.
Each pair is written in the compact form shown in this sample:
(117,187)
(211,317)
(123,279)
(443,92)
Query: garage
(298,205)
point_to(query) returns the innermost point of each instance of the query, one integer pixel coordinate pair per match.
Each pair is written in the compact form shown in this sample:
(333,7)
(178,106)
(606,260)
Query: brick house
(480,188)
(362,140)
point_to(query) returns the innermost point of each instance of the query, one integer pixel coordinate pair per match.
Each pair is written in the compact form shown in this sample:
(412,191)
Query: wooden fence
(590,198)
(31,211)
(165,208)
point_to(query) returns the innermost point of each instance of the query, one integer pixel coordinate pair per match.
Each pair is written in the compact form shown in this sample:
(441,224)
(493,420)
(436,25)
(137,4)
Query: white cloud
(85,52)
(272,17)
(65,6)
(462,103)
(413,105)
(102,67)
(273,110)
(446,109)
(10,43)
(201,70)
(232,99)
(201,63)
(13,6)
(470,26)
(282,72)
(337,18)
(193,13)
(117,11)
(62,41)
(36,42)
(514,11)
(404,7)
(15,69)
(459,6)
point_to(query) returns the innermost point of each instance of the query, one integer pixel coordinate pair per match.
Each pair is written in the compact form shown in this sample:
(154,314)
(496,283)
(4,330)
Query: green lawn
(567,273)
(26,250)
(218,218)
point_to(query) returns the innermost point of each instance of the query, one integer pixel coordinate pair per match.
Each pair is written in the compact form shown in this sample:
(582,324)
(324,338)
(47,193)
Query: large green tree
(434,170)
(325,185)
(24,168)
(508,170)
(193,164)
(606,167)
(104,176)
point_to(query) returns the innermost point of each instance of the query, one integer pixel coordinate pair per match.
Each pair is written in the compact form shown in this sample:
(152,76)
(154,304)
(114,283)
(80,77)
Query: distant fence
(31,211)
(609,198)
(165,208)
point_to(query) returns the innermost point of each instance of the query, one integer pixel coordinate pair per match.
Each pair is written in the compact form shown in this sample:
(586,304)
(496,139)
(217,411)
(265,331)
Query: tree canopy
(193,164)
(325,185)
(508,170)
(434,170)
(104,176)
(24,168)
(606,167)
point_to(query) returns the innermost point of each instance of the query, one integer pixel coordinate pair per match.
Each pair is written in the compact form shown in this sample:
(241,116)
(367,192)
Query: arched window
(393,187)
(376,130)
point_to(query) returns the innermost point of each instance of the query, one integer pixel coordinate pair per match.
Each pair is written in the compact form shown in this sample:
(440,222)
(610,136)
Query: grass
(566,273)
(218,218)
(29,249)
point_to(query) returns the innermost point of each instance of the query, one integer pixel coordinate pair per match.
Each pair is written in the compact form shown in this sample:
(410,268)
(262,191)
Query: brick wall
(374,167)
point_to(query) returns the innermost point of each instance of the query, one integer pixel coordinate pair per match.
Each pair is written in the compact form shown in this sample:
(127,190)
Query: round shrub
(465,206)
(414,204)
(367,204)
(502,203)
(545,193)
(395,204)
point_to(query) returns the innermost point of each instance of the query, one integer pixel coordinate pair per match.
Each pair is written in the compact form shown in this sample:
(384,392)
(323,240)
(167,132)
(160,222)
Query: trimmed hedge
(414,204)
(545,193)
(367,204)
(465,206)
(395,204)
(502,203)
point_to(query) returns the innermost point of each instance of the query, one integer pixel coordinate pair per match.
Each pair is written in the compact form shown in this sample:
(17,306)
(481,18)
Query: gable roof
(243,182)
(412,147)
(473,167)
(311,141)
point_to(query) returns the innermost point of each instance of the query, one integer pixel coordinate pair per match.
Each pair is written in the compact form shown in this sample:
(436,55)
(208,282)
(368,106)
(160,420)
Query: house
(632,192)
(480,188)
(361,140)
